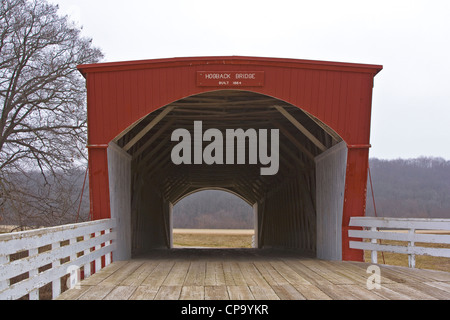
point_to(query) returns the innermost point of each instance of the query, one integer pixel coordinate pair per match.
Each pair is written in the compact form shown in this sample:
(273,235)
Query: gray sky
(411,39)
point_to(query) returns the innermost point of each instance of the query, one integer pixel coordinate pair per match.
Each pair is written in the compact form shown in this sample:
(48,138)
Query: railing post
(87,266)
(34,294)
(98,261)
(108,259)
(56,284)
(374,253)
(411,257)
(4,283)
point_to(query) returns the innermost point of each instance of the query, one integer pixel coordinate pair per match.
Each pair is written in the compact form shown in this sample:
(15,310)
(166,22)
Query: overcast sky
(411,39)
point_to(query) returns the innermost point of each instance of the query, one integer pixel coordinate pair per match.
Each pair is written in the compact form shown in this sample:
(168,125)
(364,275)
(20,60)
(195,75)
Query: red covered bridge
(321,109)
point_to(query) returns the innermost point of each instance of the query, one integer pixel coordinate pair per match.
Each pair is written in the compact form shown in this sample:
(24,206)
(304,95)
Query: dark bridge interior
(157,183)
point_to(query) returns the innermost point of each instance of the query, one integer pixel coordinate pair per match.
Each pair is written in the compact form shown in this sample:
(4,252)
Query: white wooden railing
(401,229)
(58,255)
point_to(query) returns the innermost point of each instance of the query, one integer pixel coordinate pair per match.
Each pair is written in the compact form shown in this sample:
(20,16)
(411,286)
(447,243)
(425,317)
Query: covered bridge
(320,110)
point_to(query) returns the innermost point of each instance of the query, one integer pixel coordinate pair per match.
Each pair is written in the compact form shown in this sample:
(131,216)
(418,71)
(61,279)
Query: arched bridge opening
(290,137)
(284,198)
(213,218)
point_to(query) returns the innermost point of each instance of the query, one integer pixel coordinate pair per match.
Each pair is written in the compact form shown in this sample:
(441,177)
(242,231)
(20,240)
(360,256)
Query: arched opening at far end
(212,218)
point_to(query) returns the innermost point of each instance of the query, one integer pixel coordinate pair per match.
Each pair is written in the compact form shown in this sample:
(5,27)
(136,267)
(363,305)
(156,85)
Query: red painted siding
(340,96)
(355,196)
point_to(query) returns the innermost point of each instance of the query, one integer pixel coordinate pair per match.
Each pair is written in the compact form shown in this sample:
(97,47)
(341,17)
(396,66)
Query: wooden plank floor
(247,274)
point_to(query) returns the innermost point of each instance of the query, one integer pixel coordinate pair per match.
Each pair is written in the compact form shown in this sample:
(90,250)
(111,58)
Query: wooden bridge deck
(238,274)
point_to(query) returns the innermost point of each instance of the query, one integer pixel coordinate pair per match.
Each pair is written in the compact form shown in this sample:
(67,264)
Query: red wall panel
(354,197)
(341,99)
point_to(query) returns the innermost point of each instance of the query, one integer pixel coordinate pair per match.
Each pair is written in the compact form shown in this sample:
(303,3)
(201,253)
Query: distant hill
(417,188)
(213,209)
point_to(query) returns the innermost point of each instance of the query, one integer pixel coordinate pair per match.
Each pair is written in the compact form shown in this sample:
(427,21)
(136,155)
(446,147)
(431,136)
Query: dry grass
(212,238)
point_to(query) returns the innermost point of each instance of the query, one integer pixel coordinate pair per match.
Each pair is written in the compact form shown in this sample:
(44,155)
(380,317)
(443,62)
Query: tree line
(417,188)
(213,209)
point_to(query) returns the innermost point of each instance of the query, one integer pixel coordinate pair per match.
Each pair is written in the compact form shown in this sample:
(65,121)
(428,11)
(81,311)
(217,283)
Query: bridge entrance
(212,218)
(161,129)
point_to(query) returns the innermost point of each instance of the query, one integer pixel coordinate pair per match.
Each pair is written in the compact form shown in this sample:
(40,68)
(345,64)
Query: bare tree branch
(42,94)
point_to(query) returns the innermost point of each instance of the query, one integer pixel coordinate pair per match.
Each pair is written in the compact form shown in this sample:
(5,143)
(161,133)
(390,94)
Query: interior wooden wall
(330,189)
(286,216)
(149,216)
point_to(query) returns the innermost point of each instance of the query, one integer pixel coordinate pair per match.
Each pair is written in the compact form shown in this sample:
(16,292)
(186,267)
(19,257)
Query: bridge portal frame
(336,96)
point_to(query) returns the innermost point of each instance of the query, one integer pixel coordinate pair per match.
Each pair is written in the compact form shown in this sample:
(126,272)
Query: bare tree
(33,202)
(42,95)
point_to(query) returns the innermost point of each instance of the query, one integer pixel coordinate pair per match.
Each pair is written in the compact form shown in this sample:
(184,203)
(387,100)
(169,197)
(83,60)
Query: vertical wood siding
(287,216)
(355,196)
(330,182)
(119,174)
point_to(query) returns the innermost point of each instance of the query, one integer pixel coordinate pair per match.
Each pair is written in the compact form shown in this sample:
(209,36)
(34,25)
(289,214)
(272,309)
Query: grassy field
(219,238)
(243,239)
